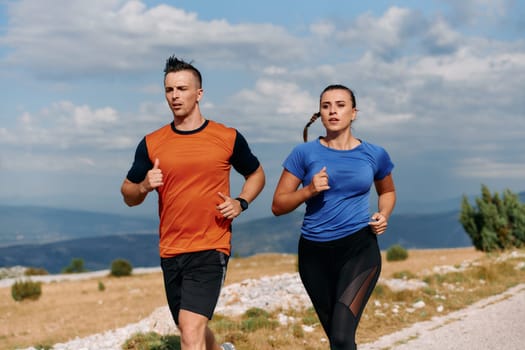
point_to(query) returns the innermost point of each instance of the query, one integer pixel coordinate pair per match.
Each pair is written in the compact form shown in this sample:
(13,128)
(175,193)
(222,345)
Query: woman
(339,258)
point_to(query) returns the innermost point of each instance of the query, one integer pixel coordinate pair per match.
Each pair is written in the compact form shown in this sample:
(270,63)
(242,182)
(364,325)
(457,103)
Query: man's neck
(191,122)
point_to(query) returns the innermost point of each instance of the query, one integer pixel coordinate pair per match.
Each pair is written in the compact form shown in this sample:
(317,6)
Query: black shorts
(193,281)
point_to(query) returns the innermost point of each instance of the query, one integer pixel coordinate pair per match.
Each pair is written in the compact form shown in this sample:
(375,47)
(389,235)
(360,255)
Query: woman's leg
(359,273)
(319,280)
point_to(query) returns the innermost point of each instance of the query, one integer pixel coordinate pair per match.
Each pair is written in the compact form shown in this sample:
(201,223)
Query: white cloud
(486,168)
(323,29)
(64,125)
(440,38)
(273,111)
(426,87)
(479,12)
(388,36)
(78,38)
(274,70)
(466,65)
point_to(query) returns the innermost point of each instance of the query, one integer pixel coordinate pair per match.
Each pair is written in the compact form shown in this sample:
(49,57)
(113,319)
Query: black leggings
(339,276)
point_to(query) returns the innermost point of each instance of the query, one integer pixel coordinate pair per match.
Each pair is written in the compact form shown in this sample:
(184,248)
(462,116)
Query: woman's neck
(340,142)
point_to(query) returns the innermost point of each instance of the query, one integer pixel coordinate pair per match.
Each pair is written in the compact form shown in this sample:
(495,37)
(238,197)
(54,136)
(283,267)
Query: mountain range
(50,238)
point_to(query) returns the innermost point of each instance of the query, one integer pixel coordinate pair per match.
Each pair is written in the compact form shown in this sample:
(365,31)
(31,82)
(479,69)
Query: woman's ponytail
(312,119)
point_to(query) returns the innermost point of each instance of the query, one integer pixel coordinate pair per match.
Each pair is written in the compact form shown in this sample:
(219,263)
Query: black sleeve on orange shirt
(242,159)
(141,165)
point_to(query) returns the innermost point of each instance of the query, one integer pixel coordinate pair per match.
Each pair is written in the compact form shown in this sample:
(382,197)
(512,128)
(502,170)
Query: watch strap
(244,203)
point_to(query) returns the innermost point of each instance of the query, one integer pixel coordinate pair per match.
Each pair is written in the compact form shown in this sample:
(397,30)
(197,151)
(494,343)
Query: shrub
(310,317)
(35,271)
(28,289)
(256,318)
(101,286)
(121,267)
(44,347)
(405,275)
(152,341)
(256,312)
(396,253)
(76,266)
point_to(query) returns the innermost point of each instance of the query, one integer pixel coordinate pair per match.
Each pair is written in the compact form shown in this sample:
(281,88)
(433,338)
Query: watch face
(244,203)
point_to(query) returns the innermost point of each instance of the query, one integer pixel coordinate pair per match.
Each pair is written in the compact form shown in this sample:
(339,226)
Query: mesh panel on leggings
(356,292)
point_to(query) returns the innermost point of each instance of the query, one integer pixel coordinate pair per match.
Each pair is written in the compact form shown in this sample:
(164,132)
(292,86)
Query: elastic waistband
(352,238)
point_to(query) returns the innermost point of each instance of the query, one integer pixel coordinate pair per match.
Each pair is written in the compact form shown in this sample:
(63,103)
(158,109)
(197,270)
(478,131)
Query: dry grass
(76,309)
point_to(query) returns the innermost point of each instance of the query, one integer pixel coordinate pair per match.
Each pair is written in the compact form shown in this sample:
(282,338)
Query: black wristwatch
(244,203)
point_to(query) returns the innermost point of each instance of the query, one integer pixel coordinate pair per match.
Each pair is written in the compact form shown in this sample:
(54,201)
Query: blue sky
(439,84)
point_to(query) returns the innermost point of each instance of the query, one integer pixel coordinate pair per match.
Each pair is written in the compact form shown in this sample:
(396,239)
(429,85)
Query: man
(188,163)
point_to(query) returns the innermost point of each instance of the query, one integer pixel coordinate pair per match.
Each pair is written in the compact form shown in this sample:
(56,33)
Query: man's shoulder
(221,130)
(161,130)
(218,125)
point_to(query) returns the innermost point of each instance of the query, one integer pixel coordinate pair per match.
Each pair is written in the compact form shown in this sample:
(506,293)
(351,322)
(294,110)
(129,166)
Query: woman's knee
(344,326)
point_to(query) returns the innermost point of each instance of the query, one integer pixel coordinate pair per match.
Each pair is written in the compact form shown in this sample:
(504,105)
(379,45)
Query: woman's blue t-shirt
(344,208)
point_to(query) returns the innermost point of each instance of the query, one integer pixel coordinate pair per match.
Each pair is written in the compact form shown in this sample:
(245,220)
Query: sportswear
(195,166)
(344,208)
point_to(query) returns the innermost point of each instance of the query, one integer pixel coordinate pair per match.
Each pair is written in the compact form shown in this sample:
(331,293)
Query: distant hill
(32,224)
(96,252)
(51,238)
(89,236)
(412,231)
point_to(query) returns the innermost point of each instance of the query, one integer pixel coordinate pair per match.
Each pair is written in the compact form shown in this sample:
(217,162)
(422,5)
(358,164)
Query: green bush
(76,266)
(101,286)
(396,253)
(121,267)
(152,341)
(256,318)
(27,289)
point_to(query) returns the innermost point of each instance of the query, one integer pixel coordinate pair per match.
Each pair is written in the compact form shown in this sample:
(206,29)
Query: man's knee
(192,327)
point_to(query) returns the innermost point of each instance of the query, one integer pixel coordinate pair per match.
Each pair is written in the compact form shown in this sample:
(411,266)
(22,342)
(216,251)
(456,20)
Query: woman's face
(337,111)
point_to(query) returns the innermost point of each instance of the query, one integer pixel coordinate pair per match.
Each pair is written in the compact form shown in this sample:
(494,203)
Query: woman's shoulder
(372,146)
(306,147)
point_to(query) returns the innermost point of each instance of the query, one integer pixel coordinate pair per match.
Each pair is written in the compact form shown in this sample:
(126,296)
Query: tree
(497,221)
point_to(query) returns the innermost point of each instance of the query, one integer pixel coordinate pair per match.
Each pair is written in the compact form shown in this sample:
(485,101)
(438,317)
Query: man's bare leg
(194,331)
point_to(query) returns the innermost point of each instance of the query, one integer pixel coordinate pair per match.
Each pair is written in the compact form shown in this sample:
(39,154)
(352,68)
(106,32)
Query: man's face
(182,93)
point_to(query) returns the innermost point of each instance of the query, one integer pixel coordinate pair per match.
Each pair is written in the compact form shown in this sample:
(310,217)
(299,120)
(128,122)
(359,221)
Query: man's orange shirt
(195,167)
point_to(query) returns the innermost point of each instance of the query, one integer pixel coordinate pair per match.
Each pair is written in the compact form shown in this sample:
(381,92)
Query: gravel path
(491,324)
